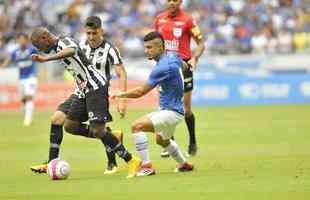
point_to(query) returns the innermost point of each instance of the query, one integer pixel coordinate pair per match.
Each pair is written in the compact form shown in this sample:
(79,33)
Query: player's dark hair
(153,35)
(93,22)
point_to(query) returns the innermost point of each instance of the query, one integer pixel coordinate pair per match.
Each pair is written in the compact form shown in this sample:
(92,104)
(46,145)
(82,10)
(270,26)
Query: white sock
(175,152)
(142,146)
(28,111)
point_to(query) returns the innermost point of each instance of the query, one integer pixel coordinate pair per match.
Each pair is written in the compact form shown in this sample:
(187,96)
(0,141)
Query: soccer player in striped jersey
(92,104)
(105,57)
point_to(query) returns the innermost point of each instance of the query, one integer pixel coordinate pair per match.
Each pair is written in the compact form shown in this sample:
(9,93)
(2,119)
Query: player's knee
(58,118)
(188,113)
(162,142)
(136,127)
(97,131)
(71,127)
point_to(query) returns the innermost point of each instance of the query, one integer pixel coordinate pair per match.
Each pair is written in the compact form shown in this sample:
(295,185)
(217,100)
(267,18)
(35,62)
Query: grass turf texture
(259,152)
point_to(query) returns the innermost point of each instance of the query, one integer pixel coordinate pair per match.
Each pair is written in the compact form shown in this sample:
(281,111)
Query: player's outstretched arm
(134,93)
(59,55)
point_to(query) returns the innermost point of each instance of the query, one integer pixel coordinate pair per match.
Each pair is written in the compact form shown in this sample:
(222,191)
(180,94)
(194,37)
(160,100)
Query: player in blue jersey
(167,75)
(27,88)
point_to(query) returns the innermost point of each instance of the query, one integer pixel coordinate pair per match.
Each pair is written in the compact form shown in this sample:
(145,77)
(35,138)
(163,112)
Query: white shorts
(164,122)
(27,87)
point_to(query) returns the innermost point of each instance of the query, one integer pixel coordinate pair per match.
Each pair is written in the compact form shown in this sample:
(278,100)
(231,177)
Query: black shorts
(93,107)
(65,106)
(188,80)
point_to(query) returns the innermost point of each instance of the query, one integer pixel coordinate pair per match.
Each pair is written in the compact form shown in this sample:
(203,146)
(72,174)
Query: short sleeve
(114,56)
(157,75)
(67,42)
(194,28)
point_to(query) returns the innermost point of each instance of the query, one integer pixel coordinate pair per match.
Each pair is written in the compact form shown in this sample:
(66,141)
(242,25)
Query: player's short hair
(93,22)
(153,35)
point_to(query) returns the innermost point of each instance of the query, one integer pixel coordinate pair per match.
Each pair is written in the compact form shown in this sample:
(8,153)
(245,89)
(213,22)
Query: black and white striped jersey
(87,77)
(102,57)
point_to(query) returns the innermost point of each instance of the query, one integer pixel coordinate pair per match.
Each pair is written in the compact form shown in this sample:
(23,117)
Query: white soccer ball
(58,169)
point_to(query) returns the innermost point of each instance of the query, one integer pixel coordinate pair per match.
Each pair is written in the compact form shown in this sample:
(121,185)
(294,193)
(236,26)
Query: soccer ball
(58,169)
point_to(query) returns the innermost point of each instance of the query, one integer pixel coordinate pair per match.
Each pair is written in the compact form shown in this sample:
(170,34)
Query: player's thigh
(188,77)
(165,122)
(97,106)
(142,124)
(77,111)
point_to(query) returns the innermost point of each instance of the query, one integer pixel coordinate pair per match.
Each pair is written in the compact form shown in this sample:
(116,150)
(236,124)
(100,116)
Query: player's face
(94,36)
(22,41)
(173,5)
(153,49)
(42,43)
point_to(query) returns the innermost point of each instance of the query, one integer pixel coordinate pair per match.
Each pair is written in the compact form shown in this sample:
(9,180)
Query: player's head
(154,45)
(42,39)
(173,6)
(94,31)
(23,40)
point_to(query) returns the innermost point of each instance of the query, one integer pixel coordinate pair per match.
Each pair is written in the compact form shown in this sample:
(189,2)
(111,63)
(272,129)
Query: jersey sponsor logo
(178,23)
(177,32)
(92,116)
(172,45)
(162,21)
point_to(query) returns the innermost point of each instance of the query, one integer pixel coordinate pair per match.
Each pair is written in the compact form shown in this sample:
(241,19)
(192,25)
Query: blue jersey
(167,74)
(22,58)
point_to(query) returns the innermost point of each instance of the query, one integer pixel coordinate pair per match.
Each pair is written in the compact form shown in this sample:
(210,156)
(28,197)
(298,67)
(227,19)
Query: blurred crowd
(230,26)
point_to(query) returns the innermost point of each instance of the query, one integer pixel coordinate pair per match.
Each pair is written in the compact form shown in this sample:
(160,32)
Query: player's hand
(193,63)
(38,58)
(121,107)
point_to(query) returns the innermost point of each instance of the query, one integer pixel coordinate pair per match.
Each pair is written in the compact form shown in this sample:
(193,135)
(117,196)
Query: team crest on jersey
(177,32)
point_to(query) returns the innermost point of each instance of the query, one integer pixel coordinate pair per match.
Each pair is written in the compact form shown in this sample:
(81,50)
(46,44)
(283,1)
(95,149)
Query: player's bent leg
(190,123)
(78,128)
(113,145)
(112,167)
(175,152)
(56,136)
(139,127)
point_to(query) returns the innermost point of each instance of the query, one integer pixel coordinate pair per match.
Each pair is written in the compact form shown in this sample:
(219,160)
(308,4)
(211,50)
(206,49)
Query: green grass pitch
(251,152)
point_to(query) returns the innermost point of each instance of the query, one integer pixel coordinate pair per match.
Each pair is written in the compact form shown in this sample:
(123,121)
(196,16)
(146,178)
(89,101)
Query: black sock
(190,122)
(111,158)
(112,145)
(56,136)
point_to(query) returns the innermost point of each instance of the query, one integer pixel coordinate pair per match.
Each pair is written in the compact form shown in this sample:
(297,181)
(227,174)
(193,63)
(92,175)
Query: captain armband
(196,32)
